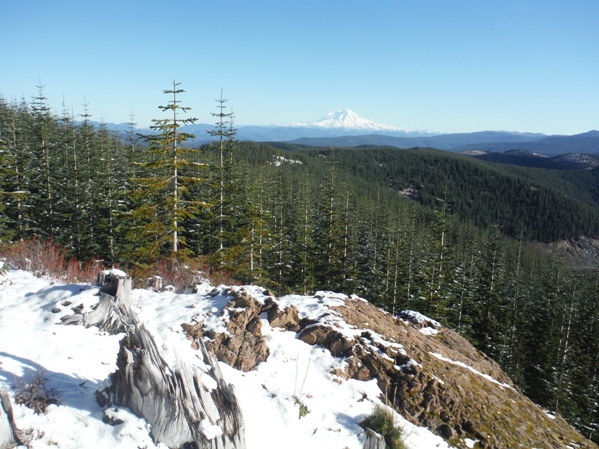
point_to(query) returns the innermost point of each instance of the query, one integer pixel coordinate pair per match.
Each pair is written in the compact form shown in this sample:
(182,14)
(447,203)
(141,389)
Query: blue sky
(452,66)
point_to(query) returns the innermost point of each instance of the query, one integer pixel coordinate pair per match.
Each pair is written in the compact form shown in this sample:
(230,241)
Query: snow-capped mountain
(348,120)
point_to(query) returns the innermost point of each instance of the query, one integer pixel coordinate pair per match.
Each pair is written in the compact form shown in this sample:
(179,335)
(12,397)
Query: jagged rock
(354,370)
(374,440)
(287,318)
(242,346)
(446,432)
(326,336)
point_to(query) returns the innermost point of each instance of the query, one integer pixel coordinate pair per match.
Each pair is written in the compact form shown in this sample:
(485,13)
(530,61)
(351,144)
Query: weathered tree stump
(10,435)
(186,406)
(154,283)
(374,440)
(112,314)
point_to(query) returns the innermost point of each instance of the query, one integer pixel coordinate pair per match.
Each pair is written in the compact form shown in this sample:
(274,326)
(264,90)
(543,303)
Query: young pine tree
(162,190)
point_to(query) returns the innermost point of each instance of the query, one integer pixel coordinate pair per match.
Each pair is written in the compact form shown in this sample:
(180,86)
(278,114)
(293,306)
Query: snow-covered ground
(77,360)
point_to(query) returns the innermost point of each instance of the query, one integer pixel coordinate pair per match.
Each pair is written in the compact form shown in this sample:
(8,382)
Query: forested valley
(419,229)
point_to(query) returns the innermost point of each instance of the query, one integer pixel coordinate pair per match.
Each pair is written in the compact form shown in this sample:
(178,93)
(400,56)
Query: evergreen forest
(422,229)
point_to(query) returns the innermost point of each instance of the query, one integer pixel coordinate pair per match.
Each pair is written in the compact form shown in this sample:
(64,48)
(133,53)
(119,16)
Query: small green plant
(381,420)
(303,408)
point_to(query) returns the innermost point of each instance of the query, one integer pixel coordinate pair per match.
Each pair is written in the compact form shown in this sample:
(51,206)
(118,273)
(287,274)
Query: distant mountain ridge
(524,158)
(440,141)
(345,128)
(335,123)
(485,141)
(585,143)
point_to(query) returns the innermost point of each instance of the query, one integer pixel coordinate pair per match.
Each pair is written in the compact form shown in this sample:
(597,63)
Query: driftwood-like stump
(186,406)
(112,314)
(10,436)
(374,440)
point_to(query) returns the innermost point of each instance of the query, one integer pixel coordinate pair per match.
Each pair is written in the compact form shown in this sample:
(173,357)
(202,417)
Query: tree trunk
(113,313)
(374,440)
(10,436)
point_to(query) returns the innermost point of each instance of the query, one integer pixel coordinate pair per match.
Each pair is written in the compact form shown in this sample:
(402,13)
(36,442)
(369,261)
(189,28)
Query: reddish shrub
(43,258)
(181,273)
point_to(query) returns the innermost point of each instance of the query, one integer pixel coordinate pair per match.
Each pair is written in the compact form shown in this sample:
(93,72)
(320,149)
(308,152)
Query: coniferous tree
(169,172)
(43,144)
(304,263)
(5,173)
(488,330)
(328,232)
(438,274)
(113,175)
(223,218)
(14,180)
(464,310)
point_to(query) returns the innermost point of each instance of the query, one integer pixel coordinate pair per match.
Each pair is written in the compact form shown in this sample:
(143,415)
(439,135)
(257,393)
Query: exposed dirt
(430,374)
(579,252)
(449,398)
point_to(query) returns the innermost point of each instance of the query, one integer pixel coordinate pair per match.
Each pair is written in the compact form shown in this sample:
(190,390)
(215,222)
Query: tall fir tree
(43,145)
(170,170)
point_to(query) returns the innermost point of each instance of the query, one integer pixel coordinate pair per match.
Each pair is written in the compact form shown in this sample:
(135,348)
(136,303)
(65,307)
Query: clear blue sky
(447,65)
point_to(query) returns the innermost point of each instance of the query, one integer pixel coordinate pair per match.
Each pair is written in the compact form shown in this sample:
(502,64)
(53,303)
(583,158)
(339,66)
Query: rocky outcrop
(579,252)
(435,378)
(242,345)
(430,374)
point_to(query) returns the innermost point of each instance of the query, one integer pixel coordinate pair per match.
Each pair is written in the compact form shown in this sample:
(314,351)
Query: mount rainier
(350,121)
(334,124)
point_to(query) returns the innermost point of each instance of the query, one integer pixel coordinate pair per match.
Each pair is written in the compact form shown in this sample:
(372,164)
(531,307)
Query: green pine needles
(162,193)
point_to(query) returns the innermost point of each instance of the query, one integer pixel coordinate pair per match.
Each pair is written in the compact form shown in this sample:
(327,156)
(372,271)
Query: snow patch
(430,331)
(418,318)
(210,431)
(470,443)
(478,373)
(79,360)
(279,160)
(115,272)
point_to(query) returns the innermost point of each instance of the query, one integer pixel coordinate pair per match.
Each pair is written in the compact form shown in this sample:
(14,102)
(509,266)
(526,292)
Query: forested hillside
(324,219)
(536,204)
